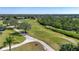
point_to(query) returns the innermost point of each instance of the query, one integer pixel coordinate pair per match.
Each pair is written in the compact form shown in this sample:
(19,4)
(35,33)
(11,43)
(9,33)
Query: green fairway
(50,37)
(16,38)
(33,46)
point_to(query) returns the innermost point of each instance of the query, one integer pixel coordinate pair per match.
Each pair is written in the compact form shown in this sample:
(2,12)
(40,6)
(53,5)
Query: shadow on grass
(15,34)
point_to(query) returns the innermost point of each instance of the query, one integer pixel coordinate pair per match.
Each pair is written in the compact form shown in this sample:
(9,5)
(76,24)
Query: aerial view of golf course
(38,30)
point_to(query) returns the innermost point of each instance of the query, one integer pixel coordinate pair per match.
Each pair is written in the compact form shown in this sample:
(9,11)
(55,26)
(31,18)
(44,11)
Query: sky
(39,10)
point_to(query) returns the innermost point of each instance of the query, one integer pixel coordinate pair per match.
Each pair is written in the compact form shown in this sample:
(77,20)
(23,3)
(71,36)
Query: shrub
(68,47)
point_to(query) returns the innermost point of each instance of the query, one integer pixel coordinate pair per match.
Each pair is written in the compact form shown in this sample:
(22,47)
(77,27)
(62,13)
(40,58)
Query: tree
(6,21)
(9,42)
(67,47)
(11,21)
(25,26)
(62,22)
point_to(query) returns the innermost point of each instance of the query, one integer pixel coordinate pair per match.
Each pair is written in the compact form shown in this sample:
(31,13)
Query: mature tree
(61,22)
(6,21)
(25,26)
(13,22)
(10,21)
(9,42)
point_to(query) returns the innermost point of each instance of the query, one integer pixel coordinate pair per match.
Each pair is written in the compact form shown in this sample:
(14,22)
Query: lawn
(32,46)
(50,37)
(1,23)
(16,38)
(65,32)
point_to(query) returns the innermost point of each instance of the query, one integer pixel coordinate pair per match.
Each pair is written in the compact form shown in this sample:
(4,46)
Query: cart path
(28,40)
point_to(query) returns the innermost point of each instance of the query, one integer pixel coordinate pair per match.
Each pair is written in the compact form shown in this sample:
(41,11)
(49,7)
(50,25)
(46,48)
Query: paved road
(30,39)
(45,46)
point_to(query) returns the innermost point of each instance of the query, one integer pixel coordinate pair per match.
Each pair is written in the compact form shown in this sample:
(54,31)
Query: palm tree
(9,42)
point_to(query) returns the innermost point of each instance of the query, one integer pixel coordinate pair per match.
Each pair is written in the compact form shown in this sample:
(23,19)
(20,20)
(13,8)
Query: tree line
(66,25)
(61,22)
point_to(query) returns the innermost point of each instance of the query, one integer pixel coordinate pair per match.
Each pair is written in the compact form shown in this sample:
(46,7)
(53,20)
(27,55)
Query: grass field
(16,39)
(50,37)
(1,23)
(33,46)
(65,32)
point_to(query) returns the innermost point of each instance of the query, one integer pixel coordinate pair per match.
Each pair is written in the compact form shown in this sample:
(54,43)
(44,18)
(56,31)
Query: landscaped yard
(32,46)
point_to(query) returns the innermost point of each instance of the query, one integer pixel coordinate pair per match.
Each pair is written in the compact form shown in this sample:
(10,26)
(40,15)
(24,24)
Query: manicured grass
(1,23)
(4,35)
(16,39)
(65,32)
(32,46)
(50,37)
